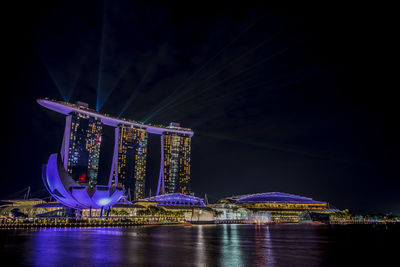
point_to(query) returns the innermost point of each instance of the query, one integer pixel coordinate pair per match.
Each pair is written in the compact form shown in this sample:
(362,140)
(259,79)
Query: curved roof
(177,199)
(66,191)
(67,108)
(49,205)
(276,197)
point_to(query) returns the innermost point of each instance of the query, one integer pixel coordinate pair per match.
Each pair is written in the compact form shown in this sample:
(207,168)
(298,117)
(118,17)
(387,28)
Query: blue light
(55,177)
(104,202)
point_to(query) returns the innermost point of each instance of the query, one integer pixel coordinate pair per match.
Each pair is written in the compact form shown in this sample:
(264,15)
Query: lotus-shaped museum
(71,194)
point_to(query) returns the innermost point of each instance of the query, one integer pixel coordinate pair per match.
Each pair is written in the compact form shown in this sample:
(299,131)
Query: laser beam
(99,78)
(198,71)
(134,92)
(75,81)
(51,74)
(278,147)
(114,86)
(232,77)
(215,73)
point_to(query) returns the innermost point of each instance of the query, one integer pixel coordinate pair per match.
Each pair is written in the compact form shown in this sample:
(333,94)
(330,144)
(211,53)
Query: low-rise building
(274,207)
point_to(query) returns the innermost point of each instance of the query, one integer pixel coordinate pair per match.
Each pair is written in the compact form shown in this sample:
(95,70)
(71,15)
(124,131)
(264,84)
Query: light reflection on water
(202,245)
(263,247)
(231,250)
(269,255)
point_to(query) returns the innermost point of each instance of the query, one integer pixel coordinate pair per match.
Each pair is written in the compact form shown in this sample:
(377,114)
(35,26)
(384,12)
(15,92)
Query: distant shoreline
(9,226)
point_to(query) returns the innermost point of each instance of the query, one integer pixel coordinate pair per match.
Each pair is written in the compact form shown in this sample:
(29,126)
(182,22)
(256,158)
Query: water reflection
(269,249)
(55,247)
(201,256)
(213,245)
(231,252)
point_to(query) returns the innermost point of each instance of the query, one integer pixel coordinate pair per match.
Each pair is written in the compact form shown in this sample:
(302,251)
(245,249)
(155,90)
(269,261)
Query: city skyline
(281,99)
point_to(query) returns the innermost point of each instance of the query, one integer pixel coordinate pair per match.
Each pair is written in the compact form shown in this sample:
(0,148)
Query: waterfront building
(193,208)
(174,200)
(275,206)
(83,147)
(28,208)
(72,194)
(132,153)
(74,183)
(175,172)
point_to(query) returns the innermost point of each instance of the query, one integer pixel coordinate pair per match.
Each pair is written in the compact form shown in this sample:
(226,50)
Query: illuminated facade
(68,192)
(275,201)
(176,199)
(175,167)
(281,207)
(80,152)
(132,152)
(83,148)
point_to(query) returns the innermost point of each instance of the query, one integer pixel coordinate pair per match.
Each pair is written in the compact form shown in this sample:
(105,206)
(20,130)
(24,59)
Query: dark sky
(291,99)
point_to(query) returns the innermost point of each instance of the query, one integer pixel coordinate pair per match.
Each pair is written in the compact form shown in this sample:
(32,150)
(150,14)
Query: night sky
(292,99)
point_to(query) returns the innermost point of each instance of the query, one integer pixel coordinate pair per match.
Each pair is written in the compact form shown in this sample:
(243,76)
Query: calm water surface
(204,245)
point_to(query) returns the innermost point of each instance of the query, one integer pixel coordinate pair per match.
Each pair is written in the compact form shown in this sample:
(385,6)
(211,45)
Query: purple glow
(177,199)
(71,194)
(81,194)
(65,143)
(276,197)
(103,202)
(64,108)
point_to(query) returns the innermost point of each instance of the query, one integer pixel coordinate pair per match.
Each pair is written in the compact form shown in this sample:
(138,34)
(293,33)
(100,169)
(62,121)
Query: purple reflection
(75,247)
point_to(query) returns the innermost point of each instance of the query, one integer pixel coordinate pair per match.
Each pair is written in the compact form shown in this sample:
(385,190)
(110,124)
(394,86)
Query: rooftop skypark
(80,107)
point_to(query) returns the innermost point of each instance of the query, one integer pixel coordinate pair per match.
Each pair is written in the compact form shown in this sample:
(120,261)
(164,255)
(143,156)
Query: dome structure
(71,194)
(177,199)
(274,197)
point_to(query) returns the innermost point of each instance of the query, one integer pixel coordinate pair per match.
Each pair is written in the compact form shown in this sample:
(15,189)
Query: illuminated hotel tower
(81,144)
(175,164)
(83,147)
(132,152)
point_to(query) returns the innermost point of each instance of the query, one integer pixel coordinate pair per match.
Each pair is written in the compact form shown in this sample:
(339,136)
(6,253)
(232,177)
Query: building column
(161,185)
(114,164)
(65,141)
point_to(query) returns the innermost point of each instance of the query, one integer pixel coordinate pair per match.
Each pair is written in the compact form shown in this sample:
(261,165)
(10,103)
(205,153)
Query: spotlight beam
(231,77)
(134,92)
(71,90)
(208,101)
(99,78)
(54,80)
(221,98)
(277,147)
(198,71)
(114,86)
(210,76)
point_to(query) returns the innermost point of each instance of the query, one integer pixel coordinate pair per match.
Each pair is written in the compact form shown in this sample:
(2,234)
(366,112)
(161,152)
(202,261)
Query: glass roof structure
(177,199)
(273,197)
